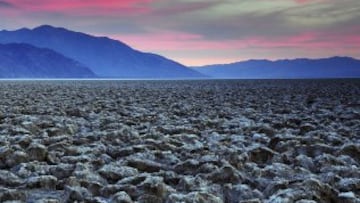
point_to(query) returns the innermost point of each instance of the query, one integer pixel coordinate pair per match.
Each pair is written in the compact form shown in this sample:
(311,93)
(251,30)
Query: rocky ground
(180,141)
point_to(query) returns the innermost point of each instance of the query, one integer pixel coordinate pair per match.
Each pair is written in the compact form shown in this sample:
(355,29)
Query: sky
(200,32)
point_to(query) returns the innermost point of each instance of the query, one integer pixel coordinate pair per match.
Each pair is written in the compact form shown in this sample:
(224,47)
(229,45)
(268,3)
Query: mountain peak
(45,26)
(48,28)
(105,57)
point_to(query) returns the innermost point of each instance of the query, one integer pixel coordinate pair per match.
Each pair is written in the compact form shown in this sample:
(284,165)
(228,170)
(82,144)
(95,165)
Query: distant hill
(334,67)
(26,61)
(104,56)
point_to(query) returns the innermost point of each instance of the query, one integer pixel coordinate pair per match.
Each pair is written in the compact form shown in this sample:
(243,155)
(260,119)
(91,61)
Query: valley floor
(180,141)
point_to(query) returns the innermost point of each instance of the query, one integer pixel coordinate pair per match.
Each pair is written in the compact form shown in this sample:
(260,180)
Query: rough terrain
(180,141)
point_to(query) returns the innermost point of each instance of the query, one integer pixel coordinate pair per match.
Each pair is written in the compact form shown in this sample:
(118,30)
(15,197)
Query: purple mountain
(27,61)
(104,56)
(334,67)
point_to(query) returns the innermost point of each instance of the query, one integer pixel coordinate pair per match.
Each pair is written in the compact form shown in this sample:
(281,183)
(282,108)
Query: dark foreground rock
(181,141)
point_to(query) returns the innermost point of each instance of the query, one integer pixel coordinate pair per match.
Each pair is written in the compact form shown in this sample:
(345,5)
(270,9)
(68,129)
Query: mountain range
(104,56)
(52,52)
(333,67)
(26,61)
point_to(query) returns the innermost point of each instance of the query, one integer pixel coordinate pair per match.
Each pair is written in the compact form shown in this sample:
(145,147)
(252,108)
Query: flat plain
(180,141)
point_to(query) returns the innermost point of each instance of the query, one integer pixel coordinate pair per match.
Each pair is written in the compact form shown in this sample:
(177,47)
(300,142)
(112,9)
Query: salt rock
(154,185)
(307,127)
(273,186)
(255,200)
(286,195)
(187,167)
(226,174)
(77,193)
(324,192)
(348,197)
(113,172)
(16,158)
(349,184)
(22,140)
(190,183)
(62,171)
(191,142)
(241,192)
(12,195)
(44,181)
(194,197)
(94,187)
(353,150)
(261,155)
(306,201)
(121,197)
(9,179)
(305,162)
(5,151)
(37,152)
(146,198)
(16,130)
(144,165)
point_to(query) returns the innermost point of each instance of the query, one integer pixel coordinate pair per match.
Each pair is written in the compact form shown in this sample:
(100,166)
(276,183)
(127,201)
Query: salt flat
(180,141)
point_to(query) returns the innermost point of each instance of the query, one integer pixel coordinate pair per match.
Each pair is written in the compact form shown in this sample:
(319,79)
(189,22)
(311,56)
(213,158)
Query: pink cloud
(309,1)
(314,43)
(169,40)
(302,1)
(174,45)
(186,41)
(89,7)
(171,8)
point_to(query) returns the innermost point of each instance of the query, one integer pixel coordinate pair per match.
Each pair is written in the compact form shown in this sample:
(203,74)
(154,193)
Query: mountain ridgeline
(26,61)
(334,67)
(105,57)
(50,52)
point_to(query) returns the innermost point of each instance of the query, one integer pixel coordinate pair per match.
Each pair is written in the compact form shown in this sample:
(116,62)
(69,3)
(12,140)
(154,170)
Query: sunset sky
(198,32)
